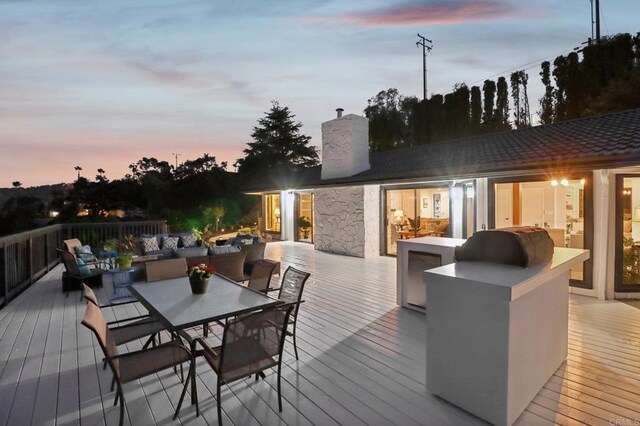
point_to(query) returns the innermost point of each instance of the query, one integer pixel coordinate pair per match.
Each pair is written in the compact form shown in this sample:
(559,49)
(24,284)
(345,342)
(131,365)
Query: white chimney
(345,146)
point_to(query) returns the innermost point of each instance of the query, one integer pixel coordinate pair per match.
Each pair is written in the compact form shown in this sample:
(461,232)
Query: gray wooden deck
(362,361)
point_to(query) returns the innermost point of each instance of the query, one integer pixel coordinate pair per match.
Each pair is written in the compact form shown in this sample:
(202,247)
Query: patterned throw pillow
(188,240)
(169,243)
(84,269)
(150,244)
(84,253)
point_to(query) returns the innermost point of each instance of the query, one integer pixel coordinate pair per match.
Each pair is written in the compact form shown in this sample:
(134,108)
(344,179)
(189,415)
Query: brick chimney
(345,146)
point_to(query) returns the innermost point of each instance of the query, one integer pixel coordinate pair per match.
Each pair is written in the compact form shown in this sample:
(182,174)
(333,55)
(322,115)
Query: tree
(278,144)
(546,101)
(502,105)
(520,99)
(16,184)
(476,110)
(489,89)
(387,121)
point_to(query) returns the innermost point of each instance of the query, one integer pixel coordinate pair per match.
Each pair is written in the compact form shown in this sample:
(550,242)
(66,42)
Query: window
(272,213)
(555,204)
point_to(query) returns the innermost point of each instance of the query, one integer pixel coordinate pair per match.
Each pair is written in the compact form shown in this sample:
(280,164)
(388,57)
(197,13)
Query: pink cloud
(434,13)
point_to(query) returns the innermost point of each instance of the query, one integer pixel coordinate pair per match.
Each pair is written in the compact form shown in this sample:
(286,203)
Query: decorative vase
(199,286)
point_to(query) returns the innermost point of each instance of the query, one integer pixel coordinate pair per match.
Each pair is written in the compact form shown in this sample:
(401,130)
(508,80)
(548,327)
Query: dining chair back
(291,290)
(229,265)
(166,269)
(260,277)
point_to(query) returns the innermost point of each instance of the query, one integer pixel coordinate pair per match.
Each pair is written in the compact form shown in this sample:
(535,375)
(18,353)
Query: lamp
(398,214)
(554,182)
(564,182)
(276,212)
(636,214)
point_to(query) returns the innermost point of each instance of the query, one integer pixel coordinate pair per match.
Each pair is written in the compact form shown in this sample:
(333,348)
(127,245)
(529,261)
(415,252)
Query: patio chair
(135,365)
(167,269)
(250,345)
(255,252)
(261,274)
(229,265)
(71,245)
(134,328)
(74,276)
(290,291)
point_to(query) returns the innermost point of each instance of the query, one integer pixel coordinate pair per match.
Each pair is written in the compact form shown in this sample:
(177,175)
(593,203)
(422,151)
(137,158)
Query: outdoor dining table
(172,302)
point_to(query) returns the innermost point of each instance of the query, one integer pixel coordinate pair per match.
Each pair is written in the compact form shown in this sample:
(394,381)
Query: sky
(101,84)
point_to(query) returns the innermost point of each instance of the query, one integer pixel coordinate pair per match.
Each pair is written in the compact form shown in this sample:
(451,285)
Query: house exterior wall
(372,231)
(340,220)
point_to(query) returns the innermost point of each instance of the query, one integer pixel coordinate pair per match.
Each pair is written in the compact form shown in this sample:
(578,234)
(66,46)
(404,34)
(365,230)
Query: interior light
(554,182)
(564,182)
(582,182)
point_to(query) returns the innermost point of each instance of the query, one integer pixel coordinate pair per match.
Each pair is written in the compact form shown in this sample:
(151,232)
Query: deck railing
(27,256)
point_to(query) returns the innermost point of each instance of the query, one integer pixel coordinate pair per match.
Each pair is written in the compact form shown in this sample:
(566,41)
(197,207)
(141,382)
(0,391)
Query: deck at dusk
(362,361)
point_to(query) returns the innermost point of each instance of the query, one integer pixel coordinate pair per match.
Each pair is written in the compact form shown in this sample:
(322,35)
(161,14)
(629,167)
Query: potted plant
(199,277)
(124,260)
(304,224)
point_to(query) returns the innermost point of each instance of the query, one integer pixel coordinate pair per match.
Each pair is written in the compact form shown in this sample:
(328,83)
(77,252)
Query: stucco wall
(340,220)
(345,146)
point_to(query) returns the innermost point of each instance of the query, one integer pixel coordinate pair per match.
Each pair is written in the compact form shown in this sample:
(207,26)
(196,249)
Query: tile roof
(605,141)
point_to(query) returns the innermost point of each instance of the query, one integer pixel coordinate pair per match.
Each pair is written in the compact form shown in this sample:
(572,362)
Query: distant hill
(44,192)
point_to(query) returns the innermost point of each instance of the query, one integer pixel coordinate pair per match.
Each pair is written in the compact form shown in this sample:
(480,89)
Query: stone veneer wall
(339,220)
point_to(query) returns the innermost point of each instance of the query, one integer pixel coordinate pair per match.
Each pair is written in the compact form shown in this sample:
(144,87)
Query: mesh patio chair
(229,265)
(250,345)
(261,274)
(73,275)
(134,328)
(290,291)
(167,269)
(135,365)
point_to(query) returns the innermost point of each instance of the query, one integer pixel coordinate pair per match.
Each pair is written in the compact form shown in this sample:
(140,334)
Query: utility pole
(425,48)
(176,157)
(597,21)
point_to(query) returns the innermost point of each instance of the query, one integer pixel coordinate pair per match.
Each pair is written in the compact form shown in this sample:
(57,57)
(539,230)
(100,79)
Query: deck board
(362,361)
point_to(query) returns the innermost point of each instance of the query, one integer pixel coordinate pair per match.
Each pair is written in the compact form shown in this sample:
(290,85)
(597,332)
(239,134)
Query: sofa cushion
(189,240)
(189,252)
(244,239)
(150,244)
(169,243)
(84,269)
(224,250)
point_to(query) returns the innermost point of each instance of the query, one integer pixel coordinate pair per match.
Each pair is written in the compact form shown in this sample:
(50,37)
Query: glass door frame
(619,287)
(384,222)
(296,203)
(465,213)
(587,283)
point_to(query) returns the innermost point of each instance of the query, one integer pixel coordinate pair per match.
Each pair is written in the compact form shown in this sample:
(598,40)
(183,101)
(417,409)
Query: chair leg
(295,343)
(150,340)
(113,383)
(181,373)
(219,404)
(115,402)
(184,391)
(121,407)
(104,364)
(279,394)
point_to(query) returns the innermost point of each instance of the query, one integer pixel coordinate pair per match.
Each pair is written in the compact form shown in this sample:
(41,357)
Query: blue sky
(104,83)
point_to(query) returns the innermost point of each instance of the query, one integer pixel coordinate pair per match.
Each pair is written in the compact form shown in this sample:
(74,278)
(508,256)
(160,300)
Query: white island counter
(497,333)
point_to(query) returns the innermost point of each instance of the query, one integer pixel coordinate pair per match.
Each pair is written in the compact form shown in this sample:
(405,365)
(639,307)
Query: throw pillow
(84,253)
(150,244)
(84,269)
(188,240)
(224,249)
(169,243)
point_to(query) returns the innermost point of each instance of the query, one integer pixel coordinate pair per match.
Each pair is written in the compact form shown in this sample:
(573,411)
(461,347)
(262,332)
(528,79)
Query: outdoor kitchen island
(496,333)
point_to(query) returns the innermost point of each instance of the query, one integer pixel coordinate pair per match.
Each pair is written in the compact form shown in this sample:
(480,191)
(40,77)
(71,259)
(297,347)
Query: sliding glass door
(627,276)
(415,212)
(304,217)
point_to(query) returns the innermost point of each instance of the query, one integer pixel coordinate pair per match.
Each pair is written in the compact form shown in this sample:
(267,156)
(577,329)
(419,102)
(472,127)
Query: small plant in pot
(199,277)
(304,224)
(124,260)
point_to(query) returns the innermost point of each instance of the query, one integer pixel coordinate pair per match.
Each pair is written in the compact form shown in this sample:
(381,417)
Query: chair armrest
(134,353)
(128,319)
